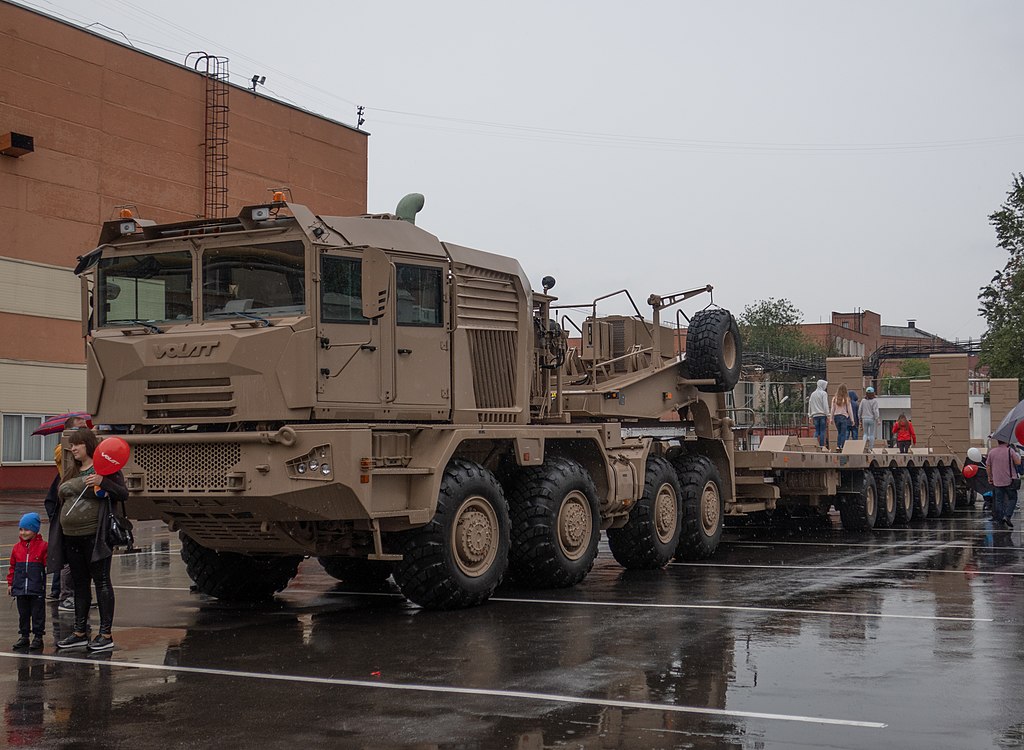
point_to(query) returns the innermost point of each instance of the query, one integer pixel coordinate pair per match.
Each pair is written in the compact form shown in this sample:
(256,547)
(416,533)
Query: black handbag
(120,532)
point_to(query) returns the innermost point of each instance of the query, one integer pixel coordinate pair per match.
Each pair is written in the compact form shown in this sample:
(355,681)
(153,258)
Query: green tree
(910,369)
(1002,300)
(773,326)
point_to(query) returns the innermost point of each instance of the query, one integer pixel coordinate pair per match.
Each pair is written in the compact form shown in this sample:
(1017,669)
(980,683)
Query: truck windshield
(266,280)
(153,288)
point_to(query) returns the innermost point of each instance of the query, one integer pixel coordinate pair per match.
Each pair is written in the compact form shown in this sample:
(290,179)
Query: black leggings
(78,553)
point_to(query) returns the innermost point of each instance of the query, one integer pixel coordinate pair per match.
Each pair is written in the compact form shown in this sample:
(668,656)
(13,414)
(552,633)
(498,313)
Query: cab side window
(341,290)
(420,295)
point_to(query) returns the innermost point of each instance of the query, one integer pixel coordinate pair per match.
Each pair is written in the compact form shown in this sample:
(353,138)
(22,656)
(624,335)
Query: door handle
(368,348)
(405,351)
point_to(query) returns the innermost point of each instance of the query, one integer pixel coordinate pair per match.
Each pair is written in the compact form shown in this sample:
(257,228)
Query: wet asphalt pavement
(788,638)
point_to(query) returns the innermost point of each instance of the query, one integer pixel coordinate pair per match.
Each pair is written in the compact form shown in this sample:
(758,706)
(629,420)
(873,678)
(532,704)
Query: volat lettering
(183,350)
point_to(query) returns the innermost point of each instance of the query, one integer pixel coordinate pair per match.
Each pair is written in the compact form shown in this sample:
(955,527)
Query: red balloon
(1018,432)
(110,456)
(970,470)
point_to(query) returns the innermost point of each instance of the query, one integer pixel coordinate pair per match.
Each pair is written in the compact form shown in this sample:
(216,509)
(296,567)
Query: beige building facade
(87,126)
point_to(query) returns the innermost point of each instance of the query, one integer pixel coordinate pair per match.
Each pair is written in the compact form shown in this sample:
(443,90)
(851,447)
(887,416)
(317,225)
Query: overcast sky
(841,155)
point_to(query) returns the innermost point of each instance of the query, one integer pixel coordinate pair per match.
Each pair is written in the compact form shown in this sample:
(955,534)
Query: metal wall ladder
(216,143)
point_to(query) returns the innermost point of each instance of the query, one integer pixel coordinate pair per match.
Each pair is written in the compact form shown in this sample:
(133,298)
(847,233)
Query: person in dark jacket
(80,539)
(854,407)
(26,581)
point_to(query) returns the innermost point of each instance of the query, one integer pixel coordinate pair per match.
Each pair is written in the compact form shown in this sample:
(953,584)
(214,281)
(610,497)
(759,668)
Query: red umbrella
(56,424)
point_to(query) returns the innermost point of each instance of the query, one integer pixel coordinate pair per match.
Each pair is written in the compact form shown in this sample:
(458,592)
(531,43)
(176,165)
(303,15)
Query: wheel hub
(474,541)
(665,513)
(575,525)
(709,510)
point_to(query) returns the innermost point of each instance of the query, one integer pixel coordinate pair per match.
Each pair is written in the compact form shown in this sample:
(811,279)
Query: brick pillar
(1002,396)
(921,411)
(848,371)
(950,410)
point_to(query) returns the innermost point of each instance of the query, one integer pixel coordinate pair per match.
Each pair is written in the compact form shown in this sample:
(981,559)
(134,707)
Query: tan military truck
(354,389)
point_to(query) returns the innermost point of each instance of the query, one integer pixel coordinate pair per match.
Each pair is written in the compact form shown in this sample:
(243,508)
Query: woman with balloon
(80,536)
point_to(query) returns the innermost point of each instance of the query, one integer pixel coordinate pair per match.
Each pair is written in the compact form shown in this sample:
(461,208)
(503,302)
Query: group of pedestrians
(78,509)
(853,416)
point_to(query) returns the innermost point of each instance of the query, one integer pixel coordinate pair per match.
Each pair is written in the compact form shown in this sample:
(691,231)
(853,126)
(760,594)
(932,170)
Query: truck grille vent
(487,418)
(487,302)
(494,368)
(171,401)
(201,467)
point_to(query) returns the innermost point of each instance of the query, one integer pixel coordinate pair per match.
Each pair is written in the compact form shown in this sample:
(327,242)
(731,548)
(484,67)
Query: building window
(20,446)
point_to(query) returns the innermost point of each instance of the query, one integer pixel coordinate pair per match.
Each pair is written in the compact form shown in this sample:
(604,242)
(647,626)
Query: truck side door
(422,351)
(350,352)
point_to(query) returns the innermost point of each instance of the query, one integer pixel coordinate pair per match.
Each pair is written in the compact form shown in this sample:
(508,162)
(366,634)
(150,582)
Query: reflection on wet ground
(789,637)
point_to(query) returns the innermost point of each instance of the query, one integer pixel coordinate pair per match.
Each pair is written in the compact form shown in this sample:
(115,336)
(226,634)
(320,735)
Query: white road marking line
(773,542)
(638,605)
(657,605)
(451,690)
(738,608)
(876,569)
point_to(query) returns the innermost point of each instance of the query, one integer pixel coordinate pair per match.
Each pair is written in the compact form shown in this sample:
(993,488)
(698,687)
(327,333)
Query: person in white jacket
(869,417)
(818,410)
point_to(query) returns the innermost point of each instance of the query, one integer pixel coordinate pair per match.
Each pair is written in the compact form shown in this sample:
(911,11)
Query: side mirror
(376,282)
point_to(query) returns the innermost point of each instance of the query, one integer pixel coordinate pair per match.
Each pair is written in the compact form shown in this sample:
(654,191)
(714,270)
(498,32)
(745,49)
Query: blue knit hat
(30,521)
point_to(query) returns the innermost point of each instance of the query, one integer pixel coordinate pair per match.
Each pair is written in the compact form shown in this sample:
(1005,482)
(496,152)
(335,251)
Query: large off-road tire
(650,537)
(357,572)
(886,487)
(556,525)
(703,507)
(948,477)
(919,486)
(459,557)
(859,512)
(934,480)
(904,496)
(714,350)
(234,577)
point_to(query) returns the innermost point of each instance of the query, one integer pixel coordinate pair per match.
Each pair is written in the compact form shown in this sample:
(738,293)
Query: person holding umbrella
(80,538)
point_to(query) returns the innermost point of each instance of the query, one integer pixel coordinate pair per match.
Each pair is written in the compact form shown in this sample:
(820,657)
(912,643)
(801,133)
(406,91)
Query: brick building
(88,125)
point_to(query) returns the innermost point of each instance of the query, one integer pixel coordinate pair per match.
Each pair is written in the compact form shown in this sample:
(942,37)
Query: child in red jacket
(26,581)
(903,429)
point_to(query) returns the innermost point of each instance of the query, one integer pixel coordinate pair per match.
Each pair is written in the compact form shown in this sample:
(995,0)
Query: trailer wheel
(703,507)
(459,557)
(919,486)
(234,577)
(859,511)
(714,350)
(555,524)
(358,572)
(650,537)
(948,479)
(886,486)
(934,480)
(904,496)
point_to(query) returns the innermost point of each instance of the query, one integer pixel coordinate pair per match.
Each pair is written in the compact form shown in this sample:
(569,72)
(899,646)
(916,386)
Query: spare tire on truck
(714,350)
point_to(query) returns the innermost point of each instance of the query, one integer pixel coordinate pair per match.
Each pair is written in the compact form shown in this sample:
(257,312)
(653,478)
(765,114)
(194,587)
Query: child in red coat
(26,581)
(903,429)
